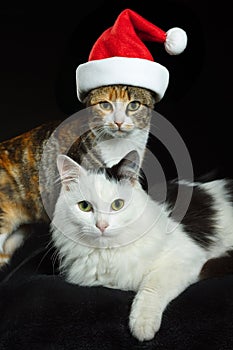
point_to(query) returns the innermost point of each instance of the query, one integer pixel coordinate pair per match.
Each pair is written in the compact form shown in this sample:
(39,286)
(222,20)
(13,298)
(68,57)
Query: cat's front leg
(157,289)
(146,314)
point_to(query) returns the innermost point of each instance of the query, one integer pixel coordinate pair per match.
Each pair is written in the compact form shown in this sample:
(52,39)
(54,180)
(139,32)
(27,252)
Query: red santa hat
(119,56)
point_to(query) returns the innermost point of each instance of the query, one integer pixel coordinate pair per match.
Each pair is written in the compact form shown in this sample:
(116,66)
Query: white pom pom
(176,41)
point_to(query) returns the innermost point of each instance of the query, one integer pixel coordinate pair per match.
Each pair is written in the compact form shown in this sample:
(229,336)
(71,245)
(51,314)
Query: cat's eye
(117,204)
(106,105)
(85,206)
(133,106)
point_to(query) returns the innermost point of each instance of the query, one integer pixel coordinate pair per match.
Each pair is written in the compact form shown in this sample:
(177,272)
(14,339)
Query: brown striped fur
(20,157)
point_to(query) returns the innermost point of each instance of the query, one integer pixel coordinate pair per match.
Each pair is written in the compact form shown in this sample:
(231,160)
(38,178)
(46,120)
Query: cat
(118,113)
(108,231)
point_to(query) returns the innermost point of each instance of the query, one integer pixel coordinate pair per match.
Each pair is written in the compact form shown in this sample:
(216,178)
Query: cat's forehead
(120,93)
(101,189)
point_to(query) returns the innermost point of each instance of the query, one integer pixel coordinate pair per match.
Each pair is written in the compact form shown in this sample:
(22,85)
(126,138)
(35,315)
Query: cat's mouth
(98,240)
(113,131)
(120,132)
(103,235)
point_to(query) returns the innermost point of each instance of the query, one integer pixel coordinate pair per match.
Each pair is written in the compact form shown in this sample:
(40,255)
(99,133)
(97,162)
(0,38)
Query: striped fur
(20,157)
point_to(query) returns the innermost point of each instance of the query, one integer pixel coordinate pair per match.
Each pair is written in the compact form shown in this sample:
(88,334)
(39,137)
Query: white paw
(3,237)
(144,322)
(13,242)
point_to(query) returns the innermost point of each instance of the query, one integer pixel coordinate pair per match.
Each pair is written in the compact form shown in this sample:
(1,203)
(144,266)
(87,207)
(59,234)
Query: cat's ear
(128,167)
(68,169)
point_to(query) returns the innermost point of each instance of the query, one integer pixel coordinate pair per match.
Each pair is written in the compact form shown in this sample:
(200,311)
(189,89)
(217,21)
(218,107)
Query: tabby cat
(117,113)
(108,231)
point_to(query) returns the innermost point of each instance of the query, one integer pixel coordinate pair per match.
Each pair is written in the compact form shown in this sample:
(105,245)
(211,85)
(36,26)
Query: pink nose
(118,124)
(102,225)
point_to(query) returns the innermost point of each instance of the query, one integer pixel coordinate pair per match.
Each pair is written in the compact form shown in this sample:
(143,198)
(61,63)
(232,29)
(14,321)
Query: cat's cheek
(128,124)
(108,118)
(127,127)
(74,212)
(116,225)
(111,127)
(107,121)
(87,218)
(82,217)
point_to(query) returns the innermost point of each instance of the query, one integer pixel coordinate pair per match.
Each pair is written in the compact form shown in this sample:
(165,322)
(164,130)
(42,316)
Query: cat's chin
(102,240)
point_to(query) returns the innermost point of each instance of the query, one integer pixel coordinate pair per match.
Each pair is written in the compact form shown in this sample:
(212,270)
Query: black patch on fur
(113,174)
(199,221)
(218,267)
(110,173)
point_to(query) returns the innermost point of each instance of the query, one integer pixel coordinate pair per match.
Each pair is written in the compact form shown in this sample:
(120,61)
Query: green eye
(133,106)
(85,206)
(117,204)
(106,106)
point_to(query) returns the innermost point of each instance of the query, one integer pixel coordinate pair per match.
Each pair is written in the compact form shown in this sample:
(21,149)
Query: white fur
(135,252)
(135,140)
(121,70)
(3,237)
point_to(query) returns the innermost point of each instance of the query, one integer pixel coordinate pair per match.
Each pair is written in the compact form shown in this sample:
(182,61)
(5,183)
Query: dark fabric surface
(40,311)
(41,49)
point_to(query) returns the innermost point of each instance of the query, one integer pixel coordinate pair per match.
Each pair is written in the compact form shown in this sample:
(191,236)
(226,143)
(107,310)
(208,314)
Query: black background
(42,45)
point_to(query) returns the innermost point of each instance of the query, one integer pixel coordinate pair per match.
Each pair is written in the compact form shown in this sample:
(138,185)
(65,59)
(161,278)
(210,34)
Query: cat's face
(119,110)
(95,209)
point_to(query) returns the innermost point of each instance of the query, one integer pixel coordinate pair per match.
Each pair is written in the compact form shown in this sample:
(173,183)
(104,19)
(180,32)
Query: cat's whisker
(48,248)
(82,234)
(100,133)
(69,176)
(154,125)
(49,244)
(96,120)
(57,180)
(54,258)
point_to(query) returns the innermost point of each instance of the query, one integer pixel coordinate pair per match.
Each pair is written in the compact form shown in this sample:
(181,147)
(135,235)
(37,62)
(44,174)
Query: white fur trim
(176,41)
(121,70)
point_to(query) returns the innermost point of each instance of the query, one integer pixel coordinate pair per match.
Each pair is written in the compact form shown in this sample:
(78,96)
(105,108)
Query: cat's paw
(144,320)
(4,259)
(13,241)
(144,328)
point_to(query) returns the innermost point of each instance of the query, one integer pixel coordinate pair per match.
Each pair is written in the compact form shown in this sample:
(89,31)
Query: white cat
(108,231)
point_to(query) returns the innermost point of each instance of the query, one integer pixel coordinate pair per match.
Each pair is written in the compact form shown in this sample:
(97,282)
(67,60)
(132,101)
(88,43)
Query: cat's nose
(102,225)
(119,124)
